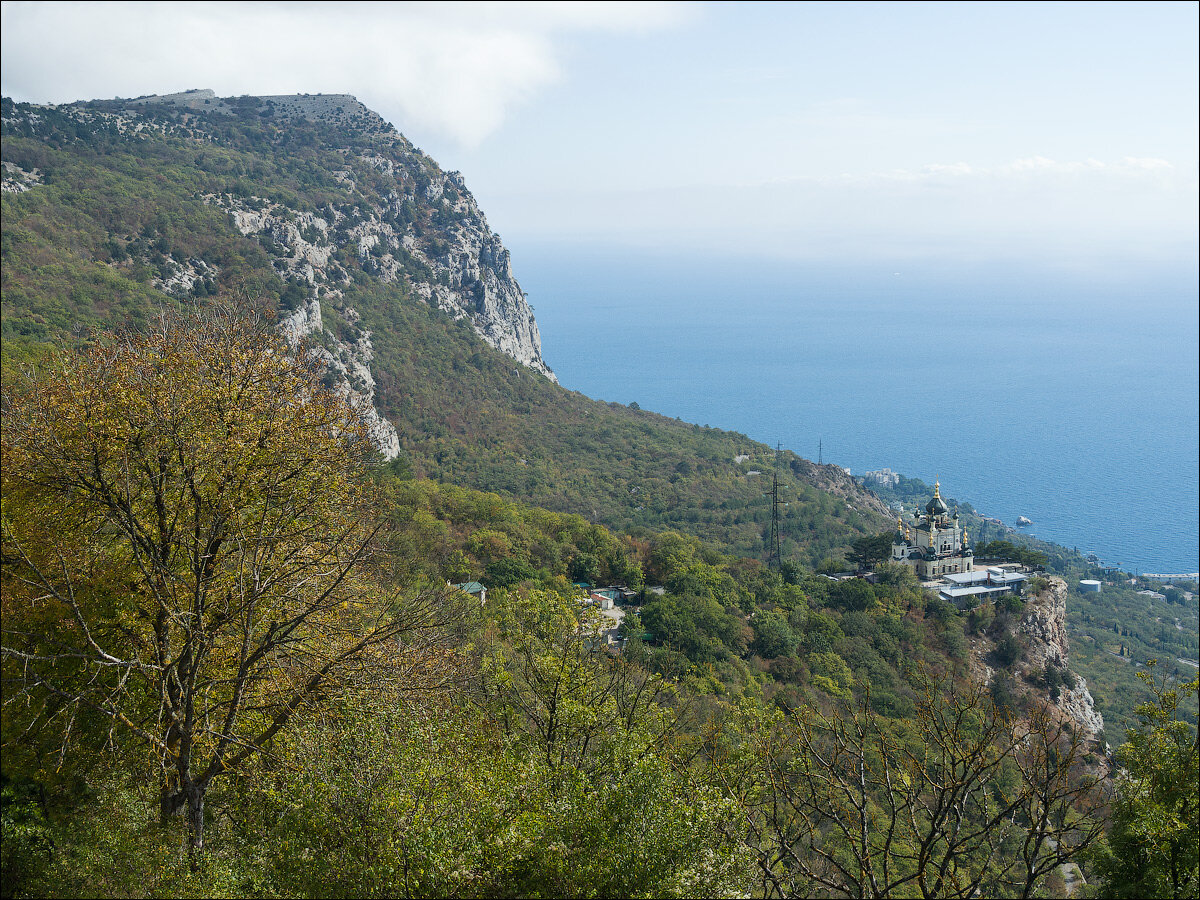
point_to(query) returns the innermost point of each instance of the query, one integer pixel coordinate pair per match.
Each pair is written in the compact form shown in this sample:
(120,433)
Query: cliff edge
(1023,649)
(388,210)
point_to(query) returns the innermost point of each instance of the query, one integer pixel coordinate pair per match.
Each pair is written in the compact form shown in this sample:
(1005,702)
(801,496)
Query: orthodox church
(934,544)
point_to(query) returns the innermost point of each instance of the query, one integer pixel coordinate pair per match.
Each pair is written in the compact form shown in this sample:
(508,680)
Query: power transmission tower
(773,554)
(820,453)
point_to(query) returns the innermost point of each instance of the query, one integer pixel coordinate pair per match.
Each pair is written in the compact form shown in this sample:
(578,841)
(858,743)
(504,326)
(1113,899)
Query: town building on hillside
(883,477)
(934,545)
(605,598)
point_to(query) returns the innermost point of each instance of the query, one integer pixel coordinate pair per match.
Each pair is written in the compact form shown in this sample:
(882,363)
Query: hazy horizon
(805,131)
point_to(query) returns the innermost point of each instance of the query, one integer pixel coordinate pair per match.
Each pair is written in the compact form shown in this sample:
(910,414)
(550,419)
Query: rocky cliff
(837,481)
(406,219)
(1044,624)
(393,211)
(1042,665)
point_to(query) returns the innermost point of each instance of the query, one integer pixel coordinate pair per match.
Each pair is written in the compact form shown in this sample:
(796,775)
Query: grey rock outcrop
(1044,620)
(408,221)
(835,480)
(1044,623)
(1042,630)
(398,216)
(349,362)
(389,210)
(16,180)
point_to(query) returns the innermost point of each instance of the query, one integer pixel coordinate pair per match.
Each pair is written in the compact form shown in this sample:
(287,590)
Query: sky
(810,131)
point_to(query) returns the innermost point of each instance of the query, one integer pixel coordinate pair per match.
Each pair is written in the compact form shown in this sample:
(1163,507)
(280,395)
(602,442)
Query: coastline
(1067,403)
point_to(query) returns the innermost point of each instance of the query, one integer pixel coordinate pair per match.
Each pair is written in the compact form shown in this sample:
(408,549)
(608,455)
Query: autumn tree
(184,550)
(968,803)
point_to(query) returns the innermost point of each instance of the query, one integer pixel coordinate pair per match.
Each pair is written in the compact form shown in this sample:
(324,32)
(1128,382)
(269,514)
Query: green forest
(237,662)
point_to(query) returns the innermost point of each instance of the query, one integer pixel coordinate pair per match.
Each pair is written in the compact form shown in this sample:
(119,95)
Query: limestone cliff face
(390,211)
(349,362)
(393,213)
(1044,624)
(1044,620)
(406,220)
(1042,633)
(16,180)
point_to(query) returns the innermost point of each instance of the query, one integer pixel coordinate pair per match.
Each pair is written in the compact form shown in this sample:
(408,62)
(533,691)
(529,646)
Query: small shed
(604,598)
(475,589)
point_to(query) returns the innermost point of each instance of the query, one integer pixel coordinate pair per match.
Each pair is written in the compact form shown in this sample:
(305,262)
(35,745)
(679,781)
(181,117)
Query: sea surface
(1067,396)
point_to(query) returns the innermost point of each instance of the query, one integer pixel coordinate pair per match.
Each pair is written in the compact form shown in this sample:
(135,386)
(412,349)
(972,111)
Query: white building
(965,589)
(883,476)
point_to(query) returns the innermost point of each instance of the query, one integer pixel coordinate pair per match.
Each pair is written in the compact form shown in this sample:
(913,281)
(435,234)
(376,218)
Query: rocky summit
(407,222)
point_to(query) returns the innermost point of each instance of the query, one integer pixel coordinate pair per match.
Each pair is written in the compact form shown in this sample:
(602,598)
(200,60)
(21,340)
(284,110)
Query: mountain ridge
(463,270)
(384,266)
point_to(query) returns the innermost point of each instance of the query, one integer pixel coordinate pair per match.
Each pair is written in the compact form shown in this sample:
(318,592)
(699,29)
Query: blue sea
(1067,396)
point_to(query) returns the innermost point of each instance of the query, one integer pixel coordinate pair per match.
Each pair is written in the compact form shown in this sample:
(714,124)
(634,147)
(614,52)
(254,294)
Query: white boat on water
(1022,521)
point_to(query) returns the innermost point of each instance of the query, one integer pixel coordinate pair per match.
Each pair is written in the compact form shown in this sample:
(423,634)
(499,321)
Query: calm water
(1070,399)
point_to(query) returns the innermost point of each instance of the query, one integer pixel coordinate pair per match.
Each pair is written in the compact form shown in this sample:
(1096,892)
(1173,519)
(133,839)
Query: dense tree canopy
(182,546)
(1153,849)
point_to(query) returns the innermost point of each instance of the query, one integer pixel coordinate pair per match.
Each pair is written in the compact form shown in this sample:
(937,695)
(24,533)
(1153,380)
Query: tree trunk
(168,801)
(195,821)
(187,799)
(171,796)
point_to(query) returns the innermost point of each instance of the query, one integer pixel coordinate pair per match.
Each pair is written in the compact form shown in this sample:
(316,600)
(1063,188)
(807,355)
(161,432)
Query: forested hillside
(362,246)
(274,412)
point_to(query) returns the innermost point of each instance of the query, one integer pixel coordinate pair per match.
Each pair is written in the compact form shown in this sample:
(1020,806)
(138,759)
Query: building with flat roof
(883,476)
(967,589)
(934,545)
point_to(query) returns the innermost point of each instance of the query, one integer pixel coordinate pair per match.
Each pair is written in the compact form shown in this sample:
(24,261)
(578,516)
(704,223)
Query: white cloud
(960,168)
(456,69)
(1128,167)
(1031,164)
